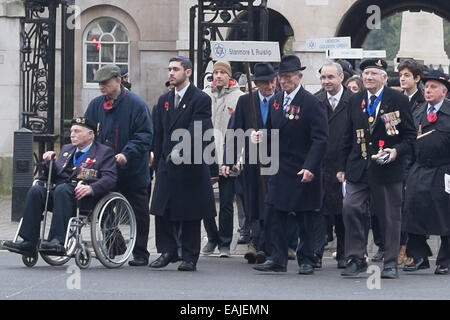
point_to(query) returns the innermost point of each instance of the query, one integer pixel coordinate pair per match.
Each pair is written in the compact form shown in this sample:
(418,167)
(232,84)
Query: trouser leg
(306,221)
(226,196)
(166,234)
(190,240)
(387,204)
(443,257)
(138,200)
(278,237)
(34,207)
(340,236)
(354,215)
(64,207)
(418,247)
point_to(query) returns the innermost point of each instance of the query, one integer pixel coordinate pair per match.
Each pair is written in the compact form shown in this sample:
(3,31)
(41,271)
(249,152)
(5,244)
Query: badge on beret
(65,154)
(379,64)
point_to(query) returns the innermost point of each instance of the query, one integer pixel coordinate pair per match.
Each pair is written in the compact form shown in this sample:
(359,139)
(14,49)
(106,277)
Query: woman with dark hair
(354,84)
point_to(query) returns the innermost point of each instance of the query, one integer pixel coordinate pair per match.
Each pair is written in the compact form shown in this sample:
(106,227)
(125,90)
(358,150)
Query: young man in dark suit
(83,157)
(335,97)
(298,122)
(182,194)
(378,136)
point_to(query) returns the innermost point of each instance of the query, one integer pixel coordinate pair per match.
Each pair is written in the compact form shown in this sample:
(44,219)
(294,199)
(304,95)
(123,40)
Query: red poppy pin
(432,117)
(166,105)
(230,110)
(363,104)
(90,161)
(276,106)
(108,105)
(381,144)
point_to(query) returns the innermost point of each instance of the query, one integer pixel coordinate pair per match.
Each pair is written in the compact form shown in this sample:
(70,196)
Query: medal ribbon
(372,107)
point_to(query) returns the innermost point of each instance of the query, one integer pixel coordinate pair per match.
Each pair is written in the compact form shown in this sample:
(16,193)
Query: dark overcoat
(183,190)
(337,122)
(302,145)
(127,129)
(255,185)
(426,202)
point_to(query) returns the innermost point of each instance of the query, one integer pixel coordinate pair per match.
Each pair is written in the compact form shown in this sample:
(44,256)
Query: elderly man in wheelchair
(85,173)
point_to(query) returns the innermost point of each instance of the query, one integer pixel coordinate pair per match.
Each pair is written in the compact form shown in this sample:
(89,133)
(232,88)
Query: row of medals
(391,120)
(361,140)
(292,112)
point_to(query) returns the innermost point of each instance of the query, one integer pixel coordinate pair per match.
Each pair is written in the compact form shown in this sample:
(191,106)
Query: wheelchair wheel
(30,261)
(83,258)
(113,230)
(55,260)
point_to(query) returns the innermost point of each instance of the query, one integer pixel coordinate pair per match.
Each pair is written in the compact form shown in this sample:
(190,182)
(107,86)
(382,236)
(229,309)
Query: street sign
(245,51)
(374,54)
(345,54)
(322,44)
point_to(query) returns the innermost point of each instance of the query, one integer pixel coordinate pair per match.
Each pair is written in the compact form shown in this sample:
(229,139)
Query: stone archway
(353,23)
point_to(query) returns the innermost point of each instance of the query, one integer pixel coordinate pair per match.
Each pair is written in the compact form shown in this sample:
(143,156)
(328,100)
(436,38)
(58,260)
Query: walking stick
(49,183)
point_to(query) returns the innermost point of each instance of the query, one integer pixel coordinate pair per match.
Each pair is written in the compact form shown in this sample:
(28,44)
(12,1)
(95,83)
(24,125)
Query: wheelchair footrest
(53,252)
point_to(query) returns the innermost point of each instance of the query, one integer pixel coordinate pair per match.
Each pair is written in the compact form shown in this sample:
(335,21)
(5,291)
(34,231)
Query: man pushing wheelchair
(83,160)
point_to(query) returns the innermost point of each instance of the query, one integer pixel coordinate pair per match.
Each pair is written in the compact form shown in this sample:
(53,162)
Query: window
(105,42)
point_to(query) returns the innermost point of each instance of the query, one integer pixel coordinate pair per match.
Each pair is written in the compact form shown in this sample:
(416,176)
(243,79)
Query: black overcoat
(302,145)
(182,190)
(337,122)
(426,202)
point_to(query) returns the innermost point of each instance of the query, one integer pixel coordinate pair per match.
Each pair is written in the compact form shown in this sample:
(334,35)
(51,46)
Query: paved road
(216,278)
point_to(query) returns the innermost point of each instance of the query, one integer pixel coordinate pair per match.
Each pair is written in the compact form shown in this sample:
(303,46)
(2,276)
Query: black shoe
(53,246)
(354,267)
(187,266)
(25,248)
(163,260)
(389,273)
(260,257)
(244,238)
(378,257)
(441,270)
(417,264)
(270,265)
(138,262)
(341,264)
(250,255)
(306,269)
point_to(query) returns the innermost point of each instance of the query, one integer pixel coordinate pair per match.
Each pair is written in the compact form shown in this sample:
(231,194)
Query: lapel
(176,114)
(341,105)
(278,119)
(90,154)
(445,109)
(259,117)
(66,161)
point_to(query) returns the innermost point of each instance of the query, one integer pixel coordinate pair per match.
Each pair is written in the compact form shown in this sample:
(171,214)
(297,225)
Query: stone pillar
(10,13)
(422,38)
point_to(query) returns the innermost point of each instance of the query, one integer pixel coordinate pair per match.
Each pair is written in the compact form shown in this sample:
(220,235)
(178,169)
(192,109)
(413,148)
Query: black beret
(373,63)
(80,121)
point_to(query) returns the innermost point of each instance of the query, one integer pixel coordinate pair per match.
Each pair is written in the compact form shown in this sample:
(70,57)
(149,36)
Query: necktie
(333,102)
(372,99)
(264,110)
(78,157)
(177,100)
(431,110)
(265,100)
(286,102)
(78,154)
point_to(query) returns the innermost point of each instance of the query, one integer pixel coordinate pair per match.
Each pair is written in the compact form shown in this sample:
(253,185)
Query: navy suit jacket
(302,145)
(99,158)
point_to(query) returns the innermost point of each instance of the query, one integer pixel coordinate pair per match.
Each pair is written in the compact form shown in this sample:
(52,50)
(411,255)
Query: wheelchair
(112,233)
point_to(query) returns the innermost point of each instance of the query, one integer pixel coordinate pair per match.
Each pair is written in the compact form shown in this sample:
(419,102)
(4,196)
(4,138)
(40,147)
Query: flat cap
(107,72)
